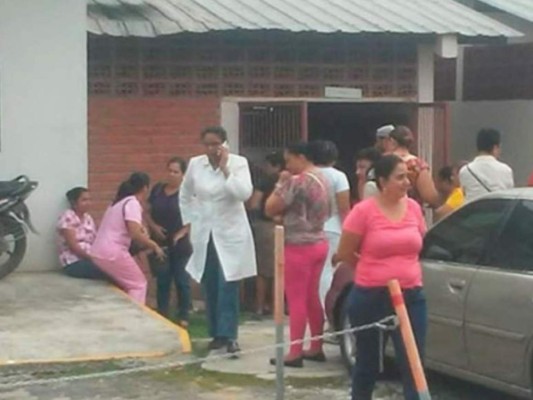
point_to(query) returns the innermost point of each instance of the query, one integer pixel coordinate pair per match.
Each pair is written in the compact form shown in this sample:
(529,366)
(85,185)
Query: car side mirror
(435,252)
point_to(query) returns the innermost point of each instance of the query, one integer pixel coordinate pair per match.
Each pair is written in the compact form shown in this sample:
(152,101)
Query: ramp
(51,318)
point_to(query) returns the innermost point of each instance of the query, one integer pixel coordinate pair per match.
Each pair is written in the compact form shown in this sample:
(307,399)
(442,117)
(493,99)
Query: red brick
(127,135)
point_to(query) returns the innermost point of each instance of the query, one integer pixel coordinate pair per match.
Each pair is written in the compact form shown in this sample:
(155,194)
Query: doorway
(352,126)
(272,125)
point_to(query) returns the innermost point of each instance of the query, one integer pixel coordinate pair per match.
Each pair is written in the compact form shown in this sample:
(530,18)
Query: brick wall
(141,134)
(251,64)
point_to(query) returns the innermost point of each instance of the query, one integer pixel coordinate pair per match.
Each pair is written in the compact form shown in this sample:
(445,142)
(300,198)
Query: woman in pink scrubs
(122,223)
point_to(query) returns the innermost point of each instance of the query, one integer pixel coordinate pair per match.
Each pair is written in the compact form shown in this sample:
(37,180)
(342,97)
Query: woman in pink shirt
(122,223)
(76,233)
(382,237)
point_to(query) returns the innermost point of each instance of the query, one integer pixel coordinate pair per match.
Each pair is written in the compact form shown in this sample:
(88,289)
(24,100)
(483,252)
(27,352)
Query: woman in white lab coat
(212,198)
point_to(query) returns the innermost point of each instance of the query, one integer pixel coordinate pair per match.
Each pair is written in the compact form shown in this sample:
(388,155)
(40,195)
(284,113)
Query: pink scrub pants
(126,274)
(303,268)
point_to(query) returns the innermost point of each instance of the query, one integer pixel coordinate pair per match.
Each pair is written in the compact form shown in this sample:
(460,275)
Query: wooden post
(279,308)
(409,340)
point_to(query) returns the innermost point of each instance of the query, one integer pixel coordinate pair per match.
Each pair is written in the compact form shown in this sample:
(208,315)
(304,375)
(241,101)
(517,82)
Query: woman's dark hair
(74,194)
(446,173)
(300,149)
(370,153)
(276,159)
(384,167)
(403,136)
(180,161)
(133,185)
(216,130)
(323,152)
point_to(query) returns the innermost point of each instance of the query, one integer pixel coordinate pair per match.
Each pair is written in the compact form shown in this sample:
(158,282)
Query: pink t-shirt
(389,250)
(113,239)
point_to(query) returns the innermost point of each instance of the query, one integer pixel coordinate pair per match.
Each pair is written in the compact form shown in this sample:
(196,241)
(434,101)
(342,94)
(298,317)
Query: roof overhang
(152,18)
(518,8)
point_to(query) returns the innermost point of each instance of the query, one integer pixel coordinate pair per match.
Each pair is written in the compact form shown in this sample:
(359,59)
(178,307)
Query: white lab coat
(214,205)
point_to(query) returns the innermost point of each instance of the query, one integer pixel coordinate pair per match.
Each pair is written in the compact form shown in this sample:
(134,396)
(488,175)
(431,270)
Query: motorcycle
(14,222)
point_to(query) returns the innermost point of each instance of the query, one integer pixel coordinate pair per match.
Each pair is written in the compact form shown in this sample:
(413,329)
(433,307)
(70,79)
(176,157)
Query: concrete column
(426,95)
(459,74)
(426,73)
(229,119)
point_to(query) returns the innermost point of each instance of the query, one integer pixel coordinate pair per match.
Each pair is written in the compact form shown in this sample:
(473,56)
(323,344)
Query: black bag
(135,248)
(158,266)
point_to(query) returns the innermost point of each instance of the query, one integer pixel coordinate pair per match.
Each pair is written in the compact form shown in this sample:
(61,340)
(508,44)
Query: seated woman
(122,223)
(76,233)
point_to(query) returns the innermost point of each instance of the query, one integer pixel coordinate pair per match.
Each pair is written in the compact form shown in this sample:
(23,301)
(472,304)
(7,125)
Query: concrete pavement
(254,335)
(50,318)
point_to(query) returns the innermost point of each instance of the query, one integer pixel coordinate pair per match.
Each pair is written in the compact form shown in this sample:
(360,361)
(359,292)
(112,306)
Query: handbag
(135,248)
(159,266)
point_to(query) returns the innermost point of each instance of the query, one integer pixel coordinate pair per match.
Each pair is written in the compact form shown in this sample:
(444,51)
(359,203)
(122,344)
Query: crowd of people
(208,221)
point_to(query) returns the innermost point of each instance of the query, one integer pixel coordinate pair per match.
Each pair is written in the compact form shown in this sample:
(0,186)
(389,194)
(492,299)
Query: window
(463,237)
(514,248)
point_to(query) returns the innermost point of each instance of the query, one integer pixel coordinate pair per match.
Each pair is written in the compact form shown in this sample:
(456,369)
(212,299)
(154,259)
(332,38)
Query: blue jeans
(367,305)
(84,269)
(174,274)
(222,298)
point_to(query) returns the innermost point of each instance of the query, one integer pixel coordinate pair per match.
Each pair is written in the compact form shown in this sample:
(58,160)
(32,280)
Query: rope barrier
(387,323)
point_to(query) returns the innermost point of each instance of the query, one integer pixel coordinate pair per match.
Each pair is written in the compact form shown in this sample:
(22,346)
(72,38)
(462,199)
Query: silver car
(478,277)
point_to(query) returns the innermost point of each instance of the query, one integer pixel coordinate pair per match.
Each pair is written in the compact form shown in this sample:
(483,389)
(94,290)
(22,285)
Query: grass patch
(317,382)
(209,380)
(198,328)
(50,371)
(213,381)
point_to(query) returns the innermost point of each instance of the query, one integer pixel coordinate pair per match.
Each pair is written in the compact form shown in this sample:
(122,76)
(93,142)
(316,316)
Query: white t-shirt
(370,189)
(338,183)
(483,175)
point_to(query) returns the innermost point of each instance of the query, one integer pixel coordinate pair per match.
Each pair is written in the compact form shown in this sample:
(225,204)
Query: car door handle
(457,284)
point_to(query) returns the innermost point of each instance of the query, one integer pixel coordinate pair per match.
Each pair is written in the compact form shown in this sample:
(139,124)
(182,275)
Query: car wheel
(347,340)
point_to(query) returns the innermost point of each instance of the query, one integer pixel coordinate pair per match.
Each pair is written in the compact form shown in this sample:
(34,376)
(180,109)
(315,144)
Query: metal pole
(279,309)
(409,341)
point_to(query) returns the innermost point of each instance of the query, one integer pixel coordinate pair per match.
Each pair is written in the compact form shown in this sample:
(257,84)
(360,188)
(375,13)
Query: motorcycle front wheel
(12,245)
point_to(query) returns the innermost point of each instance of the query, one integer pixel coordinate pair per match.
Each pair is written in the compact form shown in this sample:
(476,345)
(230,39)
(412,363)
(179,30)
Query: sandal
(317,357)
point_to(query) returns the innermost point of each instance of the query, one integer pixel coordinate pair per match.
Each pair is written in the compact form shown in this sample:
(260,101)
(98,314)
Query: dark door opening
(268,127)
(352,126)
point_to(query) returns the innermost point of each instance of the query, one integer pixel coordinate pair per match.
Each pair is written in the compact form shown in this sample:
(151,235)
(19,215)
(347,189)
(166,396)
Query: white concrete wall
(43,108)
(512,118)
(229,119)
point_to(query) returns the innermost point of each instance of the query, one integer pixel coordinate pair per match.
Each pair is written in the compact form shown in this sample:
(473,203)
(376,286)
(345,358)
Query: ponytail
(133,185)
